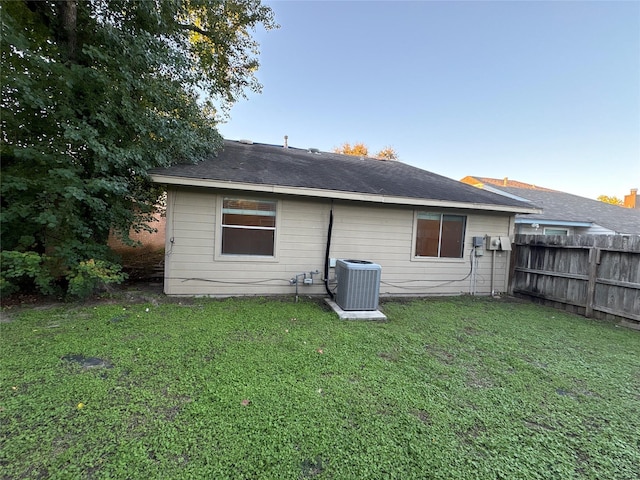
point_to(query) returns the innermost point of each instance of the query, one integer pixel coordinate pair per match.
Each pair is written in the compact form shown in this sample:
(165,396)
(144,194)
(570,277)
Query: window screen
(248,227)
(439,235)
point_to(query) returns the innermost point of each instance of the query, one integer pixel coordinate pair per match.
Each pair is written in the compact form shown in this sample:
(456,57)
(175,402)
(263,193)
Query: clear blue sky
(543,92)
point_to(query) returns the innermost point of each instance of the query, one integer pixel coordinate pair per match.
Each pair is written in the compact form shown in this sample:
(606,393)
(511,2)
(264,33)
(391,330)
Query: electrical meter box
(498,243)
(493,243)
(505,243)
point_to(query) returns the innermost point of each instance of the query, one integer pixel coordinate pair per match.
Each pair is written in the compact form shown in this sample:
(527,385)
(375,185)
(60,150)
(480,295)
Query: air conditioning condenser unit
(358,284)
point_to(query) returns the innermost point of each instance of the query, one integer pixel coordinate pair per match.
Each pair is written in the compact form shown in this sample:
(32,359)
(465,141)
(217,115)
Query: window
(248,227)
(439,235)
(556,231)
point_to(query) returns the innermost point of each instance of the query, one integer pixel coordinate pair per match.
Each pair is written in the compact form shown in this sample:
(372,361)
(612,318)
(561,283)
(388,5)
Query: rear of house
(254,217)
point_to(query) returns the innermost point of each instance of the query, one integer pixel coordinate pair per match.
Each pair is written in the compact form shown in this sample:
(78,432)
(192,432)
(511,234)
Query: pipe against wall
(493,270)
(326,256)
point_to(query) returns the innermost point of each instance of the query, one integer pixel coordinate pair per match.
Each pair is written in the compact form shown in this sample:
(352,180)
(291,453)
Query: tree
(387,153)
(94,94)
(361,150)
(611,200)
(358,149)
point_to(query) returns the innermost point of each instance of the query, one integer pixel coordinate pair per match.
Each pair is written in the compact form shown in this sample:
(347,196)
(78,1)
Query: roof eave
(563,223)
(335,194)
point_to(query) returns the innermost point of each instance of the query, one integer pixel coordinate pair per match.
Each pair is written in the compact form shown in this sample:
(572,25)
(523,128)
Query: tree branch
(193,28)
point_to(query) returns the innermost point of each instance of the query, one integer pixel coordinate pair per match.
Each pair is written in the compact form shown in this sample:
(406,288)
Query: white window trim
(544,231)
(414,237)
(220,257)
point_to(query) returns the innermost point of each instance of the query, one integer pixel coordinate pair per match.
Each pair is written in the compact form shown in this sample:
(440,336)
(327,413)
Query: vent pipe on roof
(505,182)
(286,141)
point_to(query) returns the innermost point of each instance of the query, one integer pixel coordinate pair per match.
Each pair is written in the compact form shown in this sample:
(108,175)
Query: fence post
(591,285)
(513,255)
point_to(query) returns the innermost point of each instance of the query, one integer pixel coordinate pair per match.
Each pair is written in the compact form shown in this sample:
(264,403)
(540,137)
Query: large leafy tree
(95,93)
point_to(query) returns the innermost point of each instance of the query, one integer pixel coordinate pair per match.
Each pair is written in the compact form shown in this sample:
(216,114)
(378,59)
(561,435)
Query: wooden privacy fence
(593,275)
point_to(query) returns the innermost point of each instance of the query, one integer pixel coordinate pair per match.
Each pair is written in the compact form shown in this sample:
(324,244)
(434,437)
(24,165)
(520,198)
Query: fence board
(595,275)
(592,269)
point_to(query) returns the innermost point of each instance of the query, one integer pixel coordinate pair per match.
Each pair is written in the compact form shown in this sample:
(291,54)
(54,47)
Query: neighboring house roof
(501,182)
(560,208)
(259,167)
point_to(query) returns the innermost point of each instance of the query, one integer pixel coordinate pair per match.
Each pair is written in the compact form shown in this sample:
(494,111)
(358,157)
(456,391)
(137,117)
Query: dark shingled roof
(263,164)
(561,206)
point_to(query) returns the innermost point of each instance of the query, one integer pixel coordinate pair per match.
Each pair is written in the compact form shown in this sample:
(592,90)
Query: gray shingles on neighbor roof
(561,206)
(263,164)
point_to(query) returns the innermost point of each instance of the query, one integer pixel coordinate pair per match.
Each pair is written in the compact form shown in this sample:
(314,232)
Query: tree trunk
(69,17)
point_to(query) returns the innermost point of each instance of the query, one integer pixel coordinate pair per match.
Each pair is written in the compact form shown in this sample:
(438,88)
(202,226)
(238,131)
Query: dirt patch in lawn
(128,293)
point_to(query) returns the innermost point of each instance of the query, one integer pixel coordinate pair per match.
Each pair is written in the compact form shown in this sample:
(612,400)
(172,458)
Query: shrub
(89,275)
(23,271)
(30,271)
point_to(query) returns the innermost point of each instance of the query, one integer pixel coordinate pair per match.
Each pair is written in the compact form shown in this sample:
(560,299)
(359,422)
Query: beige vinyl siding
(379,233)
(192,270)
(490,224)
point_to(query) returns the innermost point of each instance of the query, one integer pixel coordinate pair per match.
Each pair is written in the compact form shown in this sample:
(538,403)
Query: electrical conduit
(326,256)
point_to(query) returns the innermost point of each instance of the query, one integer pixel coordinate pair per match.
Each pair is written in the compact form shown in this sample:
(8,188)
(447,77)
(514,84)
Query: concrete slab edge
(355,314)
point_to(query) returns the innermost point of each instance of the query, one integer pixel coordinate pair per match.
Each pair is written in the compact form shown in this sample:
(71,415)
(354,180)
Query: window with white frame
(248,227)
(440,235)
(556,231)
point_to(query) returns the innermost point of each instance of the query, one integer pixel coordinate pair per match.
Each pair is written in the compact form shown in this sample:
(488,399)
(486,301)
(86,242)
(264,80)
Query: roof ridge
(509,183)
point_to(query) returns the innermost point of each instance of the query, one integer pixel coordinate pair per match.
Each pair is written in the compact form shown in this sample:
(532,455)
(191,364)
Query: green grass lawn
(456,388)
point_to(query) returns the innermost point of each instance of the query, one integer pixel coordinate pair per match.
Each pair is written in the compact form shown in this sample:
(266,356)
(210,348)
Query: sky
(542,92)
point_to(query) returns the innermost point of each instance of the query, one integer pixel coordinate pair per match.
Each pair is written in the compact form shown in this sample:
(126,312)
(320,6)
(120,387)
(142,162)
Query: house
(145,259)
(253,218)
(562,213)
(148,241)
(631,200)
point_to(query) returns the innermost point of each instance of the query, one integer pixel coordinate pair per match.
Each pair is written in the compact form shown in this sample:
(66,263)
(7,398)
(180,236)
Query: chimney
(505,182)
(631,200)
(286,141)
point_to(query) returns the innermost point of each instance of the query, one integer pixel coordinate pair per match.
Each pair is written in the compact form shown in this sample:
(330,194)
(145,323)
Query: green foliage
(95,96)
(458,388)
(29,271)
(87,276)
(21,270)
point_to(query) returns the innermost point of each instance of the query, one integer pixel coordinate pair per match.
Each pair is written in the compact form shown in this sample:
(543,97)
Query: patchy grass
(456,388)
